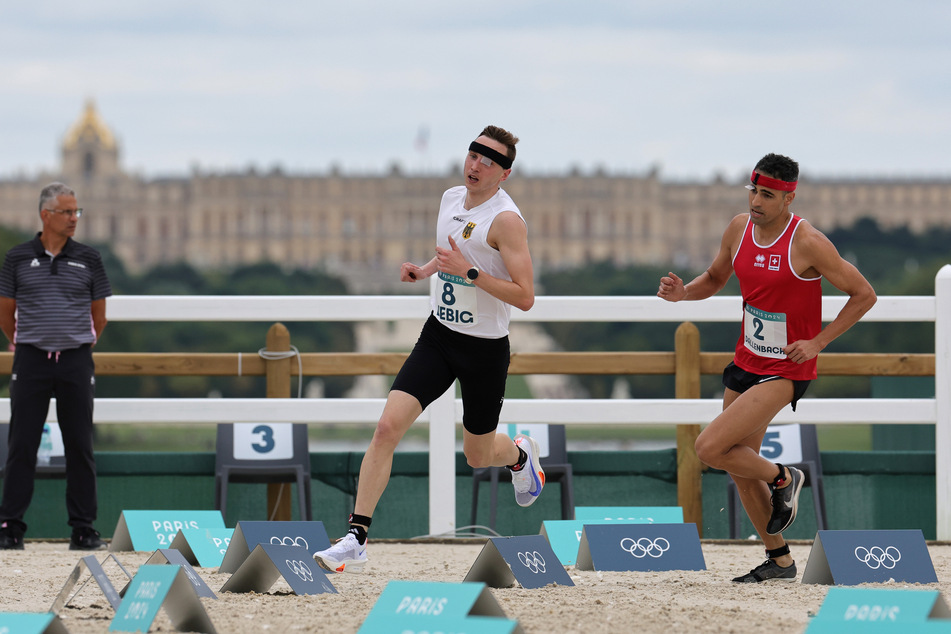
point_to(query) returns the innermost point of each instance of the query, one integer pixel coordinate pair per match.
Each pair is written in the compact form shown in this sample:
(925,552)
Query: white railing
(444,414)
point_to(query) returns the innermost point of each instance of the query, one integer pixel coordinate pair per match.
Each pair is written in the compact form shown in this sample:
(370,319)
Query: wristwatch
(472,274)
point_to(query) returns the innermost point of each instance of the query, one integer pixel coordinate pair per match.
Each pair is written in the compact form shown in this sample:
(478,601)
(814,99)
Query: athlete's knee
(388,432)
(706,453)
(478,459)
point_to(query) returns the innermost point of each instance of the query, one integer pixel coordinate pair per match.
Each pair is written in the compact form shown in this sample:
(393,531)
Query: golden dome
(89,126)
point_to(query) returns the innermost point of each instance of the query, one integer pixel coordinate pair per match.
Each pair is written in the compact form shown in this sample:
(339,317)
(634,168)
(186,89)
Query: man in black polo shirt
(53,308)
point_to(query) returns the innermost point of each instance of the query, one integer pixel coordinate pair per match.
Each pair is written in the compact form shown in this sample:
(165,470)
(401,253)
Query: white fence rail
(443,415)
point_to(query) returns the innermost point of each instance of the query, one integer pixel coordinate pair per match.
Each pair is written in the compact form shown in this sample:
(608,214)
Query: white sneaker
(347,555)
(530,479)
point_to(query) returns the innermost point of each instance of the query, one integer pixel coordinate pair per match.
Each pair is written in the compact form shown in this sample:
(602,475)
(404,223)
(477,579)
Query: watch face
(472,273)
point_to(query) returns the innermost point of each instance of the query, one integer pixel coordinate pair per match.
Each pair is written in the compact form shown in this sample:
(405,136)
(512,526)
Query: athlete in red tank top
(780,261)
(779,306)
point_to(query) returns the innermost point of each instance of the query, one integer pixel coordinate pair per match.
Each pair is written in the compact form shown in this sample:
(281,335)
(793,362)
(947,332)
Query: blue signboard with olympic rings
(645,547)
(527,559)
(310,535)
(267,562)
(883,556)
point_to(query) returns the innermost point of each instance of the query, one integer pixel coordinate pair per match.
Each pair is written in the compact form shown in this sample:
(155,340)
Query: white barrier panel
(936,309)
(547,308)
(444,414)
(163,411)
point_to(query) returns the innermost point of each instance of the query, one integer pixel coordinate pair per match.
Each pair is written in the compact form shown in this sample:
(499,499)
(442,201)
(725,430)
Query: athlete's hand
(409,272)
(452,260)
(802,350)
(671,288)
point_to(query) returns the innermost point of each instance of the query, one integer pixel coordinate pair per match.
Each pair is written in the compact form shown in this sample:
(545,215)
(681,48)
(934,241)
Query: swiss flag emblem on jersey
(774,261)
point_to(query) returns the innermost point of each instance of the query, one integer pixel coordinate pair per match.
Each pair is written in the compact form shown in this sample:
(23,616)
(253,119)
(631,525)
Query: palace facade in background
(362,227)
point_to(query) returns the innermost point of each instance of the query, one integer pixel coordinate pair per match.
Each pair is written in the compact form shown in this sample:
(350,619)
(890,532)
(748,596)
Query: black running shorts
(739,380)
(441,356)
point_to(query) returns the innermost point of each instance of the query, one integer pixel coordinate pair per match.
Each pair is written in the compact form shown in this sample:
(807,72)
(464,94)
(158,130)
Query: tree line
(896,262)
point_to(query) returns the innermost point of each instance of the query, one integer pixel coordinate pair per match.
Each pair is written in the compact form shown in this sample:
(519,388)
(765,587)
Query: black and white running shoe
(785,503)
(769,570)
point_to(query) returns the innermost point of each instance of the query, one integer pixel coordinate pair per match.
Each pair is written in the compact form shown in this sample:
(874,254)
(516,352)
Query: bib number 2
(764,333)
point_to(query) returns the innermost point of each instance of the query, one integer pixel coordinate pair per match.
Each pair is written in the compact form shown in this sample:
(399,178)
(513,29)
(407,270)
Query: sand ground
(695,601)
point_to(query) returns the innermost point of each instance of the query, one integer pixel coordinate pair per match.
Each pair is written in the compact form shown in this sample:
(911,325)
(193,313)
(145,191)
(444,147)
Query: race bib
(764,334)
(456,301)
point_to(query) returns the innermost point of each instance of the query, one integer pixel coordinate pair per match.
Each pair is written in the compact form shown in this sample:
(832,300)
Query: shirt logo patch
(35,263)
(467,232)
(76,264)
(760,261)
(774,261)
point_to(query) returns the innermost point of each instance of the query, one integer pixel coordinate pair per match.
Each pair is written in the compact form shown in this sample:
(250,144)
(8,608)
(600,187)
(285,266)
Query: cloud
(696,85)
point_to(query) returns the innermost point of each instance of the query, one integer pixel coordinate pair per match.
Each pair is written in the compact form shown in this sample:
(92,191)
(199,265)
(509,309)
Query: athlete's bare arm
(409,272)
(813,254)
(509,235)
(711,281)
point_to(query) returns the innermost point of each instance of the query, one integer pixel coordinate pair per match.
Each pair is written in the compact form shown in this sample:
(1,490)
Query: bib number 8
(448,298)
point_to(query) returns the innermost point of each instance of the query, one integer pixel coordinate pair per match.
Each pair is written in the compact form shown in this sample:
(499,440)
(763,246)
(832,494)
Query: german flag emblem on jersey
(467,232)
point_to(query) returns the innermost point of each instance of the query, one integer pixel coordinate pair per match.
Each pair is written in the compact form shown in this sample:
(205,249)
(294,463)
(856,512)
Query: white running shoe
(529,480)
(347,555)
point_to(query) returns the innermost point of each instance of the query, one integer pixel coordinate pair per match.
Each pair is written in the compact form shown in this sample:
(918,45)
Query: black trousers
(37,376)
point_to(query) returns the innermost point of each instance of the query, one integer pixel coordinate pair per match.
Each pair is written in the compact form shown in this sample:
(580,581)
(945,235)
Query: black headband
(489,153)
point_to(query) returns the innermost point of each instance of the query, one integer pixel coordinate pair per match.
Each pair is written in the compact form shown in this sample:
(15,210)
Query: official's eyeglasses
(67,212)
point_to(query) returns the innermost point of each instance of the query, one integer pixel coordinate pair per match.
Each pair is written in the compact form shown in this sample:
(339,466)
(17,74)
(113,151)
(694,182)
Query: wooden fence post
(687,377)
(279,386)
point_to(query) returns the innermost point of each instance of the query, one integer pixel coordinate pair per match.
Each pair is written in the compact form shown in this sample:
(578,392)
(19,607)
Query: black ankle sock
(781,478)
(358,526)
(359,532)
(777,552)
(522,457)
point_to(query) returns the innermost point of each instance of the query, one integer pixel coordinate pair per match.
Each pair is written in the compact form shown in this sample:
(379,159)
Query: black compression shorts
(441,356)
(739,380)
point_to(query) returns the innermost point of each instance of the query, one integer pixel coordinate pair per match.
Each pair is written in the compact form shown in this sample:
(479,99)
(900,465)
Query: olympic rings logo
(300,569)
(289,541)
(533,561)
(645,546)
(878,557)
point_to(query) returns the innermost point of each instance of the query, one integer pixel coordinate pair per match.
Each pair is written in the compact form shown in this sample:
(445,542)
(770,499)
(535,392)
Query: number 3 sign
(263,441)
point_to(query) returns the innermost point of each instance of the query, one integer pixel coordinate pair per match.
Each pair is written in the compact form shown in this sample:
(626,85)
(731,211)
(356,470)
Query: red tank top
(779,307)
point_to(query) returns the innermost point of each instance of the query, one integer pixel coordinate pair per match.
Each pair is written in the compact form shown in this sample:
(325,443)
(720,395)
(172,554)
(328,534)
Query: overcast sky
(696,88)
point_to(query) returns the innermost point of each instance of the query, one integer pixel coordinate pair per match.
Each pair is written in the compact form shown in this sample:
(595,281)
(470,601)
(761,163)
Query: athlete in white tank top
(456,301)
(482,268)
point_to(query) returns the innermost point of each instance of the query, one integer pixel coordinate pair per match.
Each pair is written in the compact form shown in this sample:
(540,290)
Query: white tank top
(456,302)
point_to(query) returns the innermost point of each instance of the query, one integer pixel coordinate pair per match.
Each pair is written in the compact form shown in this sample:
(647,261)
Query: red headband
(773,183)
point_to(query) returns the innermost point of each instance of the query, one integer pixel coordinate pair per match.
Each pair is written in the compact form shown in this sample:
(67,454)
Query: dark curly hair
(779,166)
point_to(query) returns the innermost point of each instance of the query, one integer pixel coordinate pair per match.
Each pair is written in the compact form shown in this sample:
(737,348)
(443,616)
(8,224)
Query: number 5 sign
(782,443)
(263,441)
